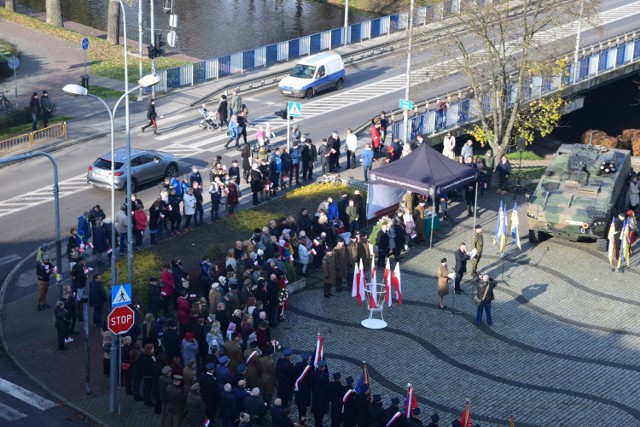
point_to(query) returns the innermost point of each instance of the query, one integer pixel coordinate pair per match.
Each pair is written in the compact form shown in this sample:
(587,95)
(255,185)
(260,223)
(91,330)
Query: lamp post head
(149,80)
(75,90)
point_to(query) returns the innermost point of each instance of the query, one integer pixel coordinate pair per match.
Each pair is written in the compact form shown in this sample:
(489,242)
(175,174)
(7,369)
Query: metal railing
(275,53)
(31,140)
(463,109)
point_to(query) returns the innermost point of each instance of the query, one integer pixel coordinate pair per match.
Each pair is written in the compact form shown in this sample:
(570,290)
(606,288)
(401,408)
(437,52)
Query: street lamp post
(408,82)
(346,22)
(576,51)
(77,90)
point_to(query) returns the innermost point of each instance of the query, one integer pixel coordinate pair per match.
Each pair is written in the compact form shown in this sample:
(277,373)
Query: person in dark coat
(391,411)
(303,394)
(256,182)
(336,393)
(399,239)
(362,406)
(240,392)
(414,420)
(152,115)
(376,412)
(154,299)
(284,373)
(461,266)
(435,419)
(172,340)
(229,411)
(382,241)
(100,241)
(350,412)
(320,393)
(97,298)
(195,408)
(62,325)
(255,406)
(222,111)
(210,391)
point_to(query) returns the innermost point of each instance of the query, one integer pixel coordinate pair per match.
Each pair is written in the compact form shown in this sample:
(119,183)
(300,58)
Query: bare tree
(113,23)
(10,4)
(54,13)
(503,45)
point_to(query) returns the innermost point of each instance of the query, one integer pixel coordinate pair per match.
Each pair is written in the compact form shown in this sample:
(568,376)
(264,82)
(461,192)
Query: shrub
(146,264)
(15,118)
(245,221)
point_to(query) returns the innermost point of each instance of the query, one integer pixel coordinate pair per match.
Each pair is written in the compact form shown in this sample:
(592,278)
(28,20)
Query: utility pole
(153,43)
(406,89)
(140,45)
(575,73)
(346,22)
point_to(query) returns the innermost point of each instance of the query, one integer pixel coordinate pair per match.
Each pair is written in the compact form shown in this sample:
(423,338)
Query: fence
(28,141)
(463,109)
(275,53)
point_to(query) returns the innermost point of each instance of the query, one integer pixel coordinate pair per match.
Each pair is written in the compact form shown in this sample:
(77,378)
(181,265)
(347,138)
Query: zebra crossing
(10,413)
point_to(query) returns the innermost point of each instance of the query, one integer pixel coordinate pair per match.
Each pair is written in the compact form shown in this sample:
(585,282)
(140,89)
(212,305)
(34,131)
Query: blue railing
(269,55)
(605,56)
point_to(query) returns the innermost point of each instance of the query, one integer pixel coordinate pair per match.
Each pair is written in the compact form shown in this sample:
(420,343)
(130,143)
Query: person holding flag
(414,420)
(320,393)
(349,411)
(302,387)
(393,416)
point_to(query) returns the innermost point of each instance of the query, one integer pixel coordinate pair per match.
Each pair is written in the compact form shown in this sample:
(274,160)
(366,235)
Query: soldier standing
(364,252)
(303,373)
(340,256)
(320,401)
(477,243)
(284,373)
(418,218)
(329,272)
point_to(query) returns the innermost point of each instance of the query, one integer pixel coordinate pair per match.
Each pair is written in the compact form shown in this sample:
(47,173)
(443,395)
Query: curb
(7,348)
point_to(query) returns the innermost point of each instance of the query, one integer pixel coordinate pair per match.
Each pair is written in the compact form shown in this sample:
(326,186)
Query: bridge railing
(275,53)
(428,117)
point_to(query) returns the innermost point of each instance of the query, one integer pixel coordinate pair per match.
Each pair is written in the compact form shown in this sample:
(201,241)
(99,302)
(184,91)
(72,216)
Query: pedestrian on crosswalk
(234,132)
(152,116)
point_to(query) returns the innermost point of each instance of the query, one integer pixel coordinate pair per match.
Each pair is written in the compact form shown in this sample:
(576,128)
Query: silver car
(146,166)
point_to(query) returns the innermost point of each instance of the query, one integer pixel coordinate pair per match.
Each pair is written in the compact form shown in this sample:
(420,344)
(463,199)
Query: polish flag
(386,280)
(319,351)
(396,283)
(355,289)
(373,295)
(373,269)
(412,402)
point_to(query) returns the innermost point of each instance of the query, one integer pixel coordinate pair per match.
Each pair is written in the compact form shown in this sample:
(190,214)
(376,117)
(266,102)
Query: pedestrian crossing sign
(121,295)
(294,109)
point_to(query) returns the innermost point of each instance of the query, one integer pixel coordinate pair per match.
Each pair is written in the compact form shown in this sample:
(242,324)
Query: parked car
(146,166)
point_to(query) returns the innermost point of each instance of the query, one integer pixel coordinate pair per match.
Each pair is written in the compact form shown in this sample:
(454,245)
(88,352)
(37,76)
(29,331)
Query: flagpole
(433,217)
(475,205)
(453,305)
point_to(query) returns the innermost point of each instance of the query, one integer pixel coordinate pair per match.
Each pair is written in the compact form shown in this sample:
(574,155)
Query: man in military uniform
(210,390)
(251,356)
(352,257)
(364,252)
(418,218)
(320,389)
(414,420)
(329,272)
(376,412)
(477,242)
(304,379)
(284,373)
(350,412)
(391,411)
(340,256)
(336,393)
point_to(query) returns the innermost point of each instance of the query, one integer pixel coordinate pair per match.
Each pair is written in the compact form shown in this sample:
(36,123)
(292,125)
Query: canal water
(211,28)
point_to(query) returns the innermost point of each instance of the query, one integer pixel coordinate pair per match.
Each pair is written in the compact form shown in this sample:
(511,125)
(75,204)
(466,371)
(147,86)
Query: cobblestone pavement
(563,348)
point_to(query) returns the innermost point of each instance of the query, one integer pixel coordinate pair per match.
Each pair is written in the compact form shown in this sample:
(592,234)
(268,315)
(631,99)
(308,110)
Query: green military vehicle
(581,189)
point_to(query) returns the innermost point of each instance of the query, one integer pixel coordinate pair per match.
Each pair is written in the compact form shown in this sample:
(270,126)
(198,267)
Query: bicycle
(5,104)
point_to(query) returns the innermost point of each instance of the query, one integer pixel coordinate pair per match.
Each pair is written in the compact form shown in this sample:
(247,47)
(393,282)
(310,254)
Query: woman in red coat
(232,197)
(376,137)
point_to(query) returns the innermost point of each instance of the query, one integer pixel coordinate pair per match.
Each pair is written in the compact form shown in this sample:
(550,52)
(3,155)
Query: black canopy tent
(424,171)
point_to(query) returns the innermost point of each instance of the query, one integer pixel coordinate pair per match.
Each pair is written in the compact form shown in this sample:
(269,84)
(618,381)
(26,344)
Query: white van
(314,74)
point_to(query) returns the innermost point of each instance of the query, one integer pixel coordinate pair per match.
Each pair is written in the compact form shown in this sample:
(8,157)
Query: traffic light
(151,52)
(159,45)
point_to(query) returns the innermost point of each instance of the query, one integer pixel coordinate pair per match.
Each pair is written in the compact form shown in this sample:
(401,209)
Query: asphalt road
(371,87)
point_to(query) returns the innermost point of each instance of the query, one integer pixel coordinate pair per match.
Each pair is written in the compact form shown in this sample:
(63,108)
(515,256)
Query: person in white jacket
(303,258)
(189,206)
(449,146)
(352,144)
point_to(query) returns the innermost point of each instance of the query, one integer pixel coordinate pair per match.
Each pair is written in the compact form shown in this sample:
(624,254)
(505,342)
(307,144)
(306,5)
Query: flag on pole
(206,422)
(395,418)
(612,243)
(319,350)
(412,402)
(355,291)
(512,421)
(373,295)
(500,237)
(625,243)
(302,376)
(386,280)
(373,269)
(364,381)
(465,418)
(396,283)
(515,222)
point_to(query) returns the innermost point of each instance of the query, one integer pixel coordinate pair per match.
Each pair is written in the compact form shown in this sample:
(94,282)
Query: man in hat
(240,373)
(336,393)
(340,256)
(284,374)
(303,372)
(477,243)
(195,407)
(443,282)
(222,370)
(44,269)
(251,355)
(210,390)
(364,252)
(414,420)
(320,393)
(435,420)
(175,401)
(362,405)
(349,408)
(376,412)
(268,379)
(393,414)
(329,272)
(163,382)
(351,251)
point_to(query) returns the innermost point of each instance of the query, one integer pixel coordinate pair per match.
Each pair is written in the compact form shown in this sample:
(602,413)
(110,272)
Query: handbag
(230,132)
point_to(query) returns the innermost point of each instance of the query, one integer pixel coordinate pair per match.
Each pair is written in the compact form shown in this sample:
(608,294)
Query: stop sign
(120,319)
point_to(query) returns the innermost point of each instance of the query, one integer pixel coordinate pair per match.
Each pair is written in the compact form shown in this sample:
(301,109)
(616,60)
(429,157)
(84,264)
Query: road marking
(10,414)
(9,258)
(25,395)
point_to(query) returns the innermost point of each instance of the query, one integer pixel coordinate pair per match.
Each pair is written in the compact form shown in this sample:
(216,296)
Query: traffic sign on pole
(85,43)
(405,104)
(121,295)
(13,62)
(294,109)
(120,320)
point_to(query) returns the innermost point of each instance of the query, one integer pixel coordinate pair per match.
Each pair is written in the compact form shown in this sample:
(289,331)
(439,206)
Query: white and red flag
(396,283)
(319,351)
(386,280)
(356,290)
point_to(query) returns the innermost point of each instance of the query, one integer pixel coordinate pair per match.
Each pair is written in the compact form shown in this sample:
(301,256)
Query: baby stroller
(208,122)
